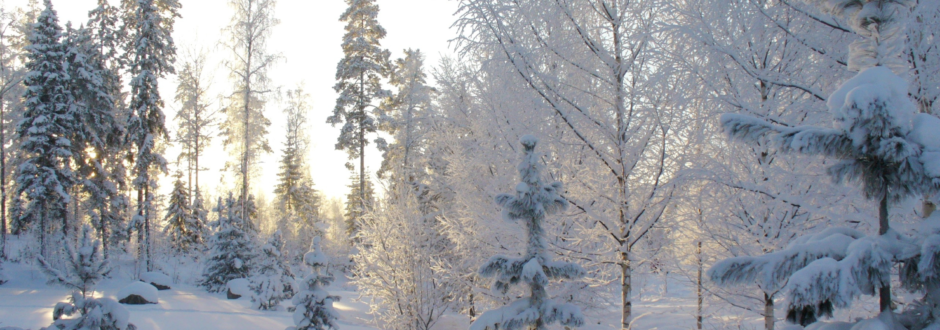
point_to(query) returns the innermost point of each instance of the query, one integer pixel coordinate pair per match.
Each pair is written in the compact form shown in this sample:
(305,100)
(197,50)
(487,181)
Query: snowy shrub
(395,266)
(94,313)
(533,201)
(313,306)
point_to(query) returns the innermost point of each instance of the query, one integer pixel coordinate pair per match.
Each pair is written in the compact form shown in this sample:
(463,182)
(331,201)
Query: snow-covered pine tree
(84,265)
(879,148)
(274,281)
(245,127)
(533,201)
(297,200)
(152,54)
(183,228)
(354,210)
(44,176)
(232,250)
(313,306)
(358,82)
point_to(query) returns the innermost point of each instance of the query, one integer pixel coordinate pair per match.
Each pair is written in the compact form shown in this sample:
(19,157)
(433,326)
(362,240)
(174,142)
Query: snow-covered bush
(94,313)
(274,281)
(313,306)
(532,202)
(85,265)
(232,250)
(399,248)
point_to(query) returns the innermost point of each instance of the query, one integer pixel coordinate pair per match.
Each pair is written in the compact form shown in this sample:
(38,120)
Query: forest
(573,164)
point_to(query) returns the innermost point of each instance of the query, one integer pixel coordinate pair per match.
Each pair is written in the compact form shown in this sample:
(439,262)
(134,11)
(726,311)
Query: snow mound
(159,280)
(140,289)
(926,131)
(239,286)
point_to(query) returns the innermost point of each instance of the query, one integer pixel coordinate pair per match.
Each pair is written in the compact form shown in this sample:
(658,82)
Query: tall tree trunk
(769,317)
(147,239)
(625,287)
(140,225)
(3,184)
(883,226)
(362,145)
(42,228)
(698,286)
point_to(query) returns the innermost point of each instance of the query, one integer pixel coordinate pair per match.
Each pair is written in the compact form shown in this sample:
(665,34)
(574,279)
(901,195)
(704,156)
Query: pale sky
(309,39)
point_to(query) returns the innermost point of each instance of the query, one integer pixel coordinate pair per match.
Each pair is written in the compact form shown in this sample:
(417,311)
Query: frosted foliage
(313,306)
(532,202)
(93,313)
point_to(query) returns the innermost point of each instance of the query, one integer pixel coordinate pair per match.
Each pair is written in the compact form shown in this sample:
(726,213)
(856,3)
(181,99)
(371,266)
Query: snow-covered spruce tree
(358,82)
(532,202)
(98,135)
(877,147)
(273,281)
(405,116)
(44,176)
(152,53)
(84,266)
(183,228)
(232,251)
(313,306)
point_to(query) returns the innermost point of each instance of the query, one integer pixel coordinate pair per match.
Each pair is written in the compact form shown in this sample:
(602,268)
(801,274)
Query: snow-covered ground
(27,301)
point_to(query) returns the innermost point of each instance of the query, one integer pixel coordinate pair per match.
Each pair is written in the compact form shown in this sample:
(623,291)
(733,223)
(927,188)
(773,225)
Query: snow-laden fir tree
(98,135)
(182,227)
(85,267)
(273,281)
(44,176)
(232,251)
(405,116)
(532,203)
(358,82)
(880,145)
(313,306)
(152,54)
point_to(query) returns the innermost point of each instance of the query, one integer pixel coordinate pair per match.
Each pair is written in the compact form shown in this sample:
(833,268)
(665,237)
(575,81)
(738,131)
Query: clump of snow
(144,290)
(851,102)
(240,286)
(926,131)
(315,257)
(156,278)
